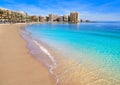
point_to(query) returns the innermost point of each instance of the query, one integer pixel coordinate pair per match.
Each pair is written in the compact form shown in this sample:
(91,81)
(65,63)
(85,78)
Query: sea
(77,54)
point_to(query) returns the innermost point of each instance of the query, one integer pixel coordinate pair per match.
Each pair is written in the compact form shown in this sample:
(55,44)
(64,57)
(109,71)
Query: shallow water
(82,54)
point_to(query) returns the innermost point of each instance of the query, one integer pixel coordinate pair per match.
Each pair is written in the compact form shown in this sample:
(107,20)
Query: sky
(94,10)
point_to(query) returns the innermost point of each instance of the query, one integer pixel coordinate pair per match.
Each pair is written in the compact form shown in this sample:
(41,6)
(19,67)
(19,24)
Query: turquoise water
(90,43)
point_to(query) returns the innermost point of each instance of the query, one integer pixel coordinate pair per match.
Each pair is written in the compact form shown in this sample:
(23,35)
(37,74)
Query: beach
(43,54)
(17,66)
(76,54)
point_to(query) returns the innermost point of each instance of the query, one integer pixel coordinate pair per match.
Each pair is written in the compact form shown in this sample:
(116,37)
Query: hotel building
(65,18)
(74,17)
(8,16)
(52,17)
(59,19)
(5,15)
(42,19)
(34,18)
(23,16)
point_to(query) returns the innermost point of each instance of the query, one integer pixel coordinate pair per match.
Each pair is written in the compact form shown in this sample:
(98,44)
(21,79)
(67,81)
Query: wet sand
(69,72)
(17,66)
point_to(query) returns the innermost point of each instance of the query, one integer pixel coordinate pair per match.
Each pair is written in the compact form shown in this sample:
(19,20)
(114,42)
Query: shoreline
(16,63)
(68,71)
(40,53)
(40,59)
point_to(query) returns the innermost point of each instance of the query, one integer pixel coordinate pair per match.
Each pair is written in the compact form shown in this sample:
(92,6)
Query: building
(41,19)
(10,16)
(59,19)
(46,18)
(52,17)
(65,18)
(23,16)
(5,15)
(74,17)
(34,18)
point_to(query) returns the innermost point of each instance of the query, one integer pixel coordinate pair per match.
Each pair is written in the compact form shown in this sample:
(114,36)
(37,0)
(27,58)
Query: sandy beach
(17,67)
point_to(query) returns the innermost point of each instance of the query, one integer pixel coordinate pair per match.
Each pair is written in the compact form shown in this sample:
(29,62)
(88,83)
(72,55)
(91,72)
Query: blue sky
(89,9)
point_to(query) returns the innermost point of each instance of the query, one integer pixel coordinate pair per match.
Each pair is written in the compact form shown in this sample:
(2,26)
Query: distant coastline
(10,16)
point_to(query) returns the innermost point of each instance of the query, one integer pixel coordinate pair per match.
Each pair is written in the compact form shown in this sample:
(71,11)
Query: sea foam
(52,67)
(27,36)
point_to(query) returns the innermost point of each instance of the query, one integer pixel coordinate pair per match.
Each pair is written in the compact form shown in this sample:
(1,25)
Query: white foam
(52,67)
(46,52)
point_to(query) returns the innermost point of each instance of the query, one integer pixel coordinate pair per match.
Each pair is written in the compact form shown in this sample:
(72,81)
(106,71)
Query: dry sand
(17,67)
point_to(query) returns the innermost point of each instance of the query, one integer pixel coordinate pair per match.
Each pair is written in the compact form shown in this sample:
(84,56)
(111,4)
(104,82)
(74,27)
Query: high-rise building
(34,18)
(59,19)
(74,17)
(41,19)
(9,16)
(46,18)
(65,18)
(52,17)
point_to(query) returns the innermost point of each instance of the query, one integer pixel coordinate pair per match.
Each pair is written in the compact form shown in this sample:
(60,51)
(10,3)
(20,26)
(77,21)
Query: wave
(27,36)
(50,57)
